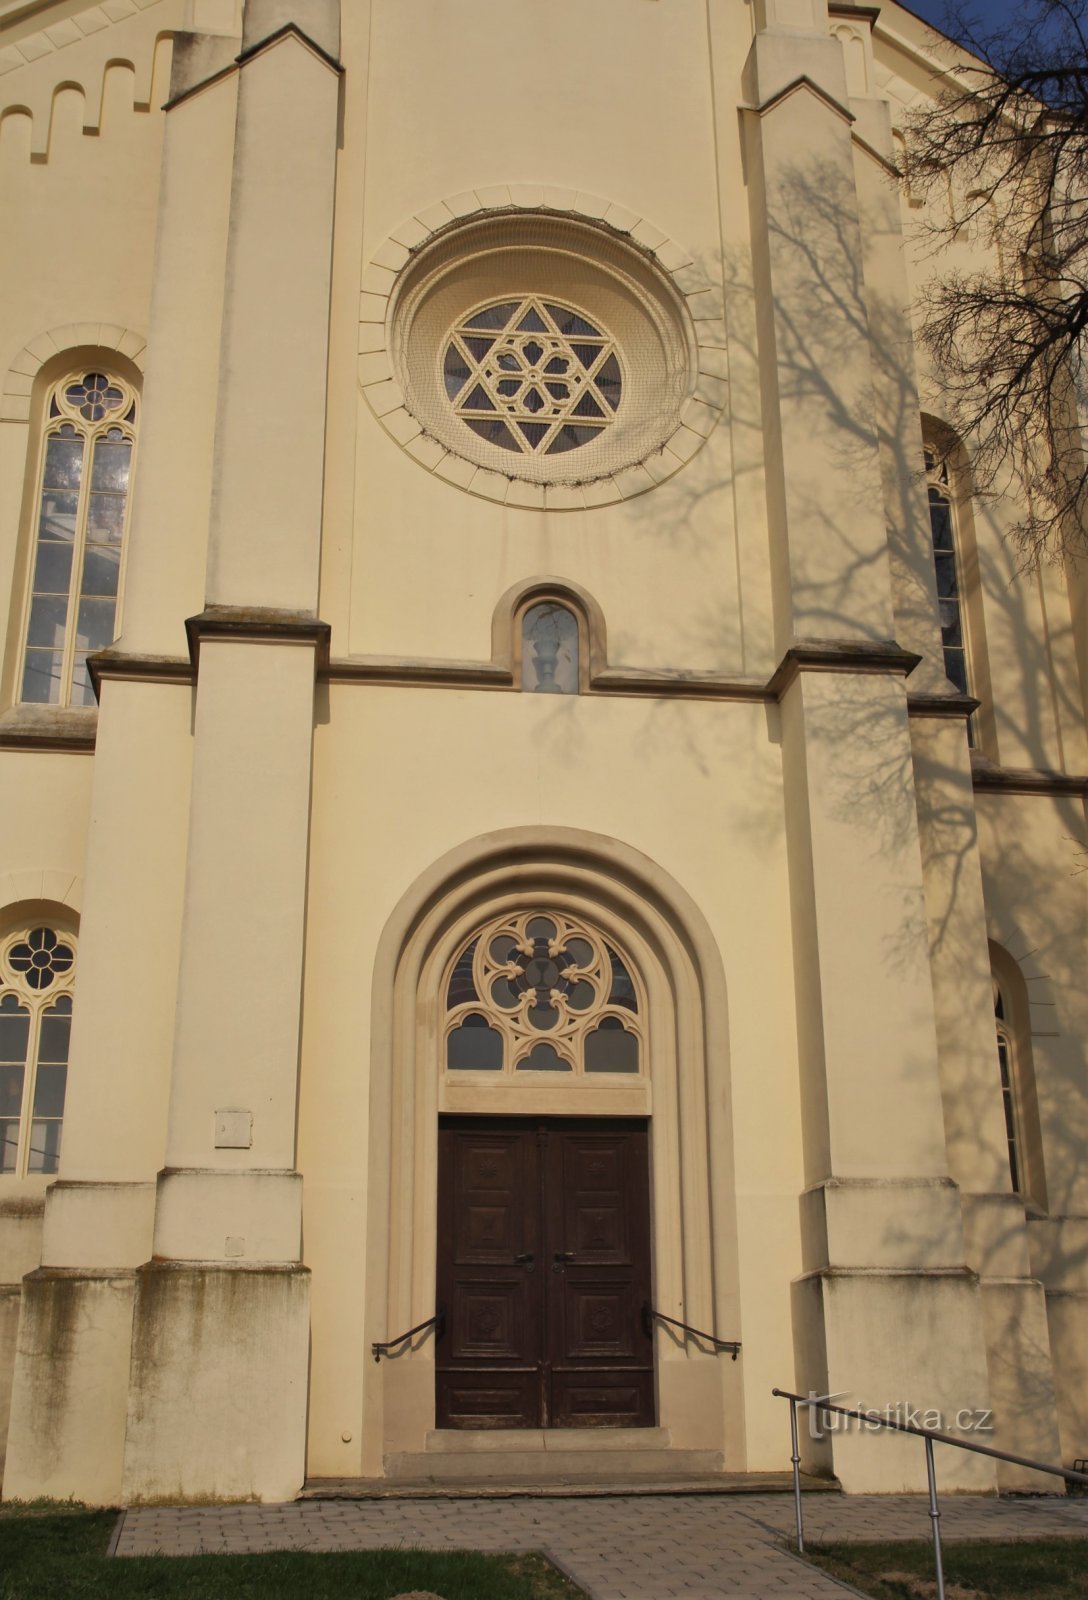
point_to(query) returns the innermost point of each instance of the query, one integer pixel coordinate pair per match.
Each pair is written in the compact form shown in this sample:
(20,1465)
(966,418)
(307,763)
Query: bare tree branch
(1003,153)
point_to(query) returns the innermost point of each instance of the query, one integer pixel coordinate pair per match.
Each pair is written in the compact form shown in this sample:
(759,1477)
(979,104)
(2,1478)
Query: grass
(1028,1569)
(60,1554)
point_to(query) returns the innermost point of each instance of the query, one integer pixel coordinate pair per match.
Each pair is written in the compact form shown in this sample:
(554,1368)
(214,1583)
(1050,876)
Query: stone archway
(693,1200)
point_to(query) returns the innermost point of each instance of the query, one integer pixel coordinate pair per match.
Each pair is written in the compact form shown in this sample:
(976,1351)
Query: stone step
(477,1465)
(574,1486)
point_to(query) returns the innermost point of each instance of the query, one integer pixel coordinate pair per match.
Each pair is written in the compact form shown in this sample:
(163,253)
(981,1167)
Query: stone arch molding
(622,892)
(695,292)
(20,376)
(36,886)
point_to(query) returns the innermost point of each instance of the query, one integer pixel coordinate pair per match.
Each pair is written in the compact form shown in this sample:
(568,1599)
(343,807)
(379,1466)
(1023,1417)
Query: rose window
(532,376)
(541,992)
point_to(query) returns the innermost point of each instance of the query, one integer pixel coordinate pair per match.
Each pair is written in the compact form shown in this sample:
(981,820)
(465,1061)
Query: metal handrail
(438,1322)
(931,1436)
(650,1314)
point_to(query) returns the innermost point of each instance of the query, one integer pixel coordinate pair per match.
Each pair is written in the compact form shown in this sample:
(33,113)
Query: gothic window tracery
(37,968)
(80,516)
(532,376)
(541,991)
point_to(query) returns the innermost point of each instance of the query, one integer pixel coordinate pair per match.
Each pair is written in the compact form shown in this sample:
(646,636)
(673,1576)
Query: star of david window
(542,992)
(532,376)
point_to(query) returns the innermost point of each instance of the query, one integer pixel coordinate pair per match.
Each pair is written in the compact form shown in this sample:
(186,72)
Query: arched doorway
(680,1094)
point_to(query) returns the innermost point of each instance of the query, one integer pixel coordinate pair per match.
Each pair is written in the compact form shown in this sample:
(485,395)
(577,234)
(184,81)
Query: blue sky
(993,13)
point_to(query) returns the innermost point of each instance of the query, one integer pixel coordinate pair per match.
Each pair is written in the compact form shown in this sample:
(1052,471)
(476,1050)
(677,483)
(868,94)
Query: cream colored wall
(635,126)
(77,244)
(694,787)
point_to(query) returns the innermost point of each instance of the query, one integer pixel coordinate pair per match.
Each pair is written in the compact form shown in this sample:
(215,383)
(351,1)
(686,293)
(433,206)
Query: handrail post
(935,1517)
(796,1459)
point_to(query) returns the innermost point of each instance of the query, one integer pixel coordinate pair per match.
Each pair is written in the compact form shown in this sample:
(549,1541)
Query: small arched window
(80,514)
(37,969)
(1005,1058)
(550,649)
(541,991)
(1016,1076)
(947,561)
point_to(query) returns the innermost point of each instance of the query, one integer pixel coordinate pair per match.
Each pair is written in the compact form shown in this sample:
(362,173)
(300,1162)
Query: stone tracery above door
(542,991)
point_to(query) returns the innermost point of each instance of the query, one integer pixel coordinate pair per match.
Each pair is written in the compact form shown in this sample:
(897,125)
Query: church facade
(538,811)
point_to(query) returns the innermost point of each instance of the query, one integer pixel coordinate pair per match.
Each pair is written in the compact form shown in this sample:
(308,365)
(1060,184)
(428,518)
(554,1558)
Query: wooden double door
(544,1273)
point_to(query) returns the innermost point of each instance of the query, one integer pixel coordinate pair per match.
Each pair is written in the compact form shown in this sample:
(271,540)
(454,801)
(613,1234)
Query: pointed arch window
(81,511)
(947,562)
(37,968)
(1005,1059)
(541,991)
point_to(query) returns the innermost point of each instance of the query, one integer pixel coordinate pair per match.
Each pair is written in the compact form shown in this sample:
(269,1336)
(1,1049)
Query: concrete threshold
(570,1486)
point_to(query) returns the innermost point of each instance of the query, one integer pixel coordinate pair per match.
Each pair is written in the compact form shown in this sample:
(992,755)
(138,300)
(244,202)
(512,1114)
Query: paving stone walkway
(633,1547)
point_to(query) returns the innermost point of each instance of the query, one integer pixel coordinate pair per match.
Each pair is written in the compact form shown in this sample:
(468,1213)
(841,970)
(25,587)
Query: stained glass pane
(53,1040)
(543,1017)
(622,992)
(610,1048)
(504,994)
(63,461)
(14,1032)
(9,1143)
(42,677)
(474,1047)
(101,570)
(44,1153)
(544,1058)
(549,650)
(503,948)
(111,463)
(106,518)
(94,628)
(462,985)
(541,928)
(11,1091)
(579,952)
(47,622)
(49,1086)
(493,316)
(58,515)
(52,568)
(495,433)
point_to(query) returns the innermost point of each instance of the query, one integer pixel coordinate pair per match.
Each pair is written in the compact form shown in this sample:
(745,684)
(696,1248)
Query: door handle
(560,1258)
(525,1259)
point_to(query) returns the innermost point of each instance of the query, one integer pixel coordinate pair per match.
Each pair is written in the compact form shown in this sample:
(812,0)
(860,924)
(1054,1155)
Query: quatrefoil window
(41,957)
(542,992)
(532,376)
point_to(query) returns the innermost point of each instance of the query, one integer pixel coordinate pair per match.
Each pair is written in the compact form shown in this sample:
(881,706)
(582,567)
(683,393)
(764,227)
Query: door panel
(544,1267)
(489,1359)
(597,1225)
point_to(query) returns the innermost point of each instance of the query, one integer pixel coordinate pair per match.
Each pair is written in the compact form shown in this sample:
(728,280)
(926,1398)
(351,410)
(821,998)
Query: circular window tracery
(539,348)
(532,375)
(542,992)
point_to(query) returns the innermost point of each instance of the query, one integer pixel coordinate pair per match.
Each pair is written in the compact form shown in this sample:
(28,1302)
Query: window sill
(28,727)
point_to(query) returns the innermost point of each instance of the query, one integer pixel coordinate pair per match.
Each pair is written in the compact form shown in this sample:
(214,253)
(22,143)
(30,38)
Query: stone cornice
(830,655)
(258,625)
(804,82)
(30,727)
(991,779)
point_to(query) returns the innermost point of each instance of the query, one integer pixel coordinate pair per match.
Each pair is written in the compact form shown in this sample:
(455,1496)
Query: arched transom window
(37,968)
(75,579)
(541,991)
